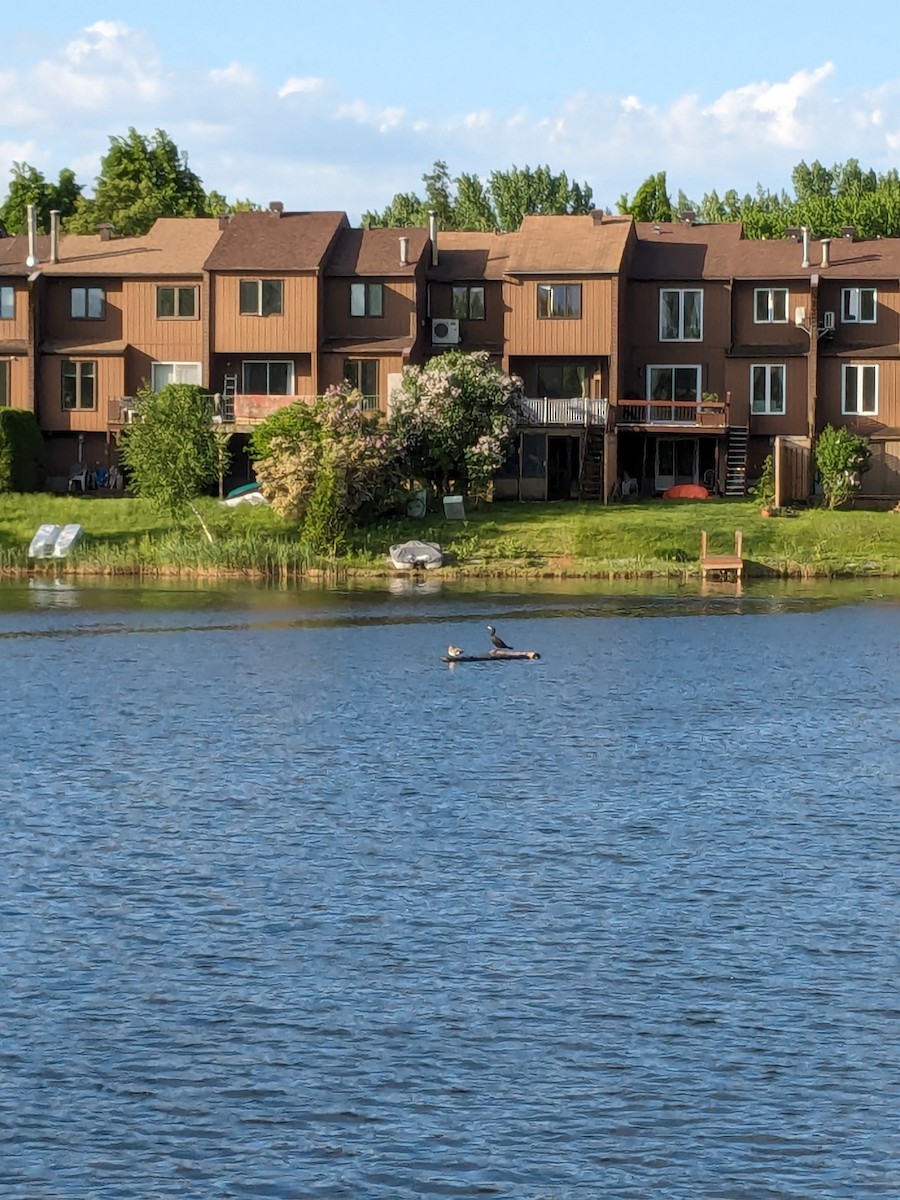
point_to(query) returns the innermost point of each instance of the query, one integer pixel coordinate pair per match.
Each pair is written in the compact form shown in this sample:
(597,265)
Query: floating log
(492,656)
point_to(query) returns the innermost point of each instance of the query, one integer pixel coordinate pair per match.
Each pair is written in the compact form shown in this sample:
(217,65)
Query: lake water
(289,908)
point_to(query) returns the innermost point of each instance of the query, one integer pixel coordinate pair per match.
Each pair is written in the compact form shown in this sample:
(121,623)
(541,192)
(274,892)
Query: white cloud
(301,87)
(331,149)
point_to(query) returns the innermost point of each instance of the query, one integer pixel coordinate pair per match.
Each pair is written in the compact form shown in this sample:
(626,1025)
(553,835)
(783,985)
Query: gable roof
(266,241)
(376,252)
(572,245)
(472,256)
(674,251)
(174,246)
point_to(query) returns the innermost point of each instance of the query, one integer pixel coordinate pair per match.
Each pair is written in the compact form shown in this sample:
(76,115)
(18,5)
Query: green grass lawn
(647,537)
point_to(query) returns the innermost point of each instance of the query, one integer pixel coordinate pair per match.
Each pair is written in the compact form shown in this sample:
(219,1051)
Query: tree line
(144,177)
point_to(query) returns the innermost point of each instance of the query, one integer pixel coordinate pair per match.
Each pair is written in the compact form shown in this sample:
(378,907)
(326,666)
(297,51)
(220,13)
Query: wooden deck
(711,564)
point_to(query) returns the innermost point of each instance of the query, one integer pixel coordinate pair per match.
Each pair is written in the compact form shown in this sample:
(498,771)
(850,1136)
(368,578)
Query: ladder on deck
(736,460)
(229,391)
(590,485)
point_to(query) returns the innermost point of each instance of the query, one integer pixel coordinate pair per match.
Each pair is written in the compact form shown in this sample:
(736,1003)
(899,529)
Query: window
(561,381)
(767,388)
(162,374)
(261,297)
(366,299)
(859,389)
(770,305)
(468,303)
(268,378)
(673,383)
(87,304)
(559,300)
(4,384)
(79,385)
(858,306)
(680,315)
(176,302)
(362,373)
(7,303)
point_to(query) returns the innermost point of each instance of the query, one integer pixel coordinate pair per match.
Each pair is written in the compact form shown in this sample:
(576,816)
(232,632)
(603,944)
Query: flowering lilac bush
(290,448)
(453,418)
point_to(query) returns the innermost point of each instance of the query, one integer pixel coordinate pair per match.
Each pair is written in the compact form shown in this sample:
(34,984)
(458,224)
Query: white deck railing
(547,410)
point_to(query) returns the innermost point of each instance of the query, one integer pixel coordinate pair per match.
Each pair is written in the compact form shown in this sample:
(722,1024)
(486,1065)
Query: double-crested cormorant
(454,652)
(496,641)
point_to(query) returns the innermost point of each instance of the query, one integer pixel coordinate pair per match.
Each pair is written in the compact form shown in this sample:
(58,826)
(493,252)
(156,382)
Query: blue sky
(342,105)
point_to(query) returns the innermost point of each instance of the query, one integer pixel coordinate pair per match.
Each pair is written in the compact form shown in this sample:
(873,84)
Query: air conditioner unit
(828,320)
(444,331)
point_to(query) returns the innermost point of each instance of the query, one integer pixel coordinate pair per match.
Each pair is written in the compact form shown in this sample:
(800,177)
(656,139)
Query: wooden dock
(712,564)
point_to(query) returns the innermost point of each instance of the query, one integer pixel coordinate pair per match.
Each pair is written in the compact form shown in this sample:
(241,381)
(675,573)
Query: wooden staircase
(736,460)
(590,486)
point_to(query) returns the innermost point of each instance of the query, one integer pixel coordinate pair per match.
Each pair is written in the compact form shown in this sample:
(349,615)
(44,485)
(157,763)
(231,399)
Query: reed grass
(124,536)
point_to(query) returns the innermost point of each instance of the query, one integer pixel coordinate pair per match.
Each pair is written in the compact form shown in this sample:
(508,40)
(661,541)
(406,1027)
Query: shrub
(763,491)
(842,458)
(21,451)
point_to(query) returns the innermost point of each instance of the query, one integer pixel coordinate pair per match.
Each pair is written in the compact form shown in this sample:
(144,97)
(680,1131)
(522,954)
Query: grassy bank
(128,537)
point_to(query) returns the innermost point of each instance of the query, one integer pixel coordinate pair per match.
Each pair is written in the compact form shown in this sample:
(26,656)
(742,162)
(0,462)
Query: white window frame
(770,294)
(770,369)
(86,298)
(859,370)
(851,305)
(268,363)
(182,372)
(370,400)
(7,303)
(557,302)
(680,293)
(462,296)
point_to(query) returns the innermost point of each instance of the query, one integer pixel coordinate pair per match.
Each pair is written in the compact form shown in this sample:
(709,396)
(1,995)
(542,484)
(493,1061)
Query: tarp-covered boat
(416,556)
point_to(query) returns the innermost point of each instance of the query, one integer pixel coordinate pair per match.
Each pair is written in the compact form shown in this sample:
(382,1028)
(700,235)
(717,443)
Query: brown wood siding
(883,475)
(332,371)
(17,328)
(59,324)
(643,347)
(292,331)
(884,331)
(886,420)
(526,333)
(737,380)
(472,334)
(176,339)
(18,368)
(747,332)
(399,304)
(109,384)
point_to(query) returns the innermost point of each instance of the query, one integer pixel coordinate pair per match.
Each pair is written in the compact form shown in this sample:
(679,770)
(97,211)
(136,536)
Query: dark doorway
(562,467)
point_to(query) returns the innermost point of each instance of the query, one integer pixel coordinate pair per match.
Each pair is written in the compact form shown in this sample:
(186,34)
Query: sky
(341,105)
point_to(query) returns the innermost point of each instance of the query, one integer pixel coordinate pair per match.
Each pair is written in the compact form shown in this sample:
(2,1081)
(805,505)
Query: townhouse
(651,353)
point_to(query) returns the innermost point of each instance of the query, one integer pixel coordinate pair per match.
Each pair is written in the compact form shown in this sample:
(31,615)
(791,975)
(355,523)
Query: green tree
(172,451)
(842,458)
(651,200)
(452,419)
(29,186)
(324,463)
(521,192)
(141,179)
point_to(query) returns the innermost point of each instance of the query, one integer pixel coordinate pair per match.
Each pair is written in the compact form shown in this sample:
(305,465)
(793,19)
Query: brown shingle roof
(582,245)
(175,246)
(262,241)
(472,256)
(346,345)
(376,252)
(14,251)
(675,251)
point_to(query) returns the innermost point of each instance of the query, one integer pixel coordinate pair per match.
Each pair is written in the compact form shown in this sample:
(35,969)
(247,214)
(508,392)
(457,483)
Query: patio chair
(79,476)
